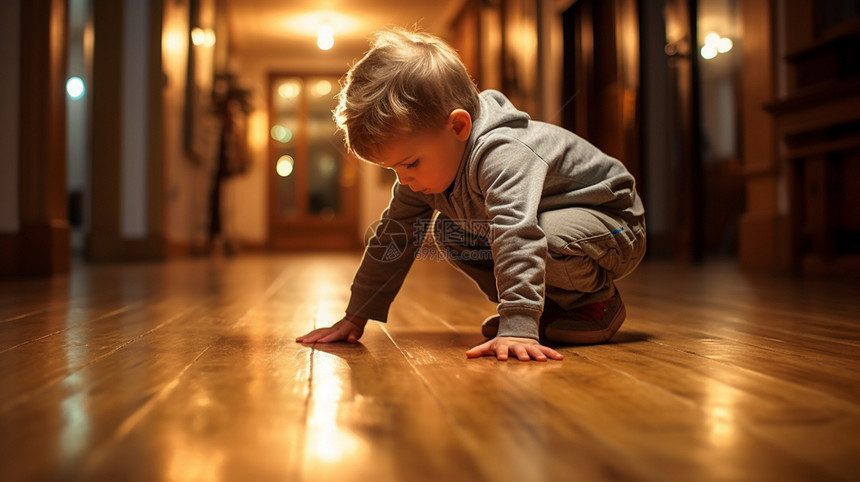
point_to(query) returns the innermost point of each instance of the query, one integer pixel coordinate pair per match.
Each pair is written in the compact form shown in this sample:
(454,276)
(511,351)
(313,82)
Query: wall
(135,96)
(125,215)
(188,174)
(9,58)
(175,48)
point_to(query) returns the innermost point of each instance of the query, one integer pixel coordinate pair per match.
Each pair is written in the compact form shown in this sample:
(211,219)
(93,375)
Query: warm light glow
(323,87)
(327,164)
(325,37)
(210,37)
(190,459)
(284,167)
(289,89)
(204,37)
(198,36)
(720,414)
(75,88)
(281,134)
(714,44)
(712,39)
(327,440)
(173,42)
(309,23)
(257,122)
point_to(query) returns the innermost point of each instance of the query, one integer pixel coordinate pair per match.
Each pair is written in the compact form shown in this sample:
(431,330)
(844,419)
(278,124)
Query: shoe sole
(594,337)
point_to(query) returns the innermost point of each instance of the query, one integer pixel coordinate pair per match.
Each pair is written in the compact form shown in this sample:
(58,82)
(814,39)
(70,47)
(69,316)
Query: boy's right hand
(350,328)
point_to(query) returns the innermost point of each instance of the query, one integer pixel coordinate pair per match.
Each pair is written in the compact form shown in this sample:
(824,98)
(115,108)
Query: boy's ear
(461,122)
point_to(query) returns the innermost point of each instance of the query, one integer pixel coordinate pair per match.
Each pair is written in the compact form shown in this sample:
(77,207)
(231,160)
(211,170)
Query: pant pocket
(618,251)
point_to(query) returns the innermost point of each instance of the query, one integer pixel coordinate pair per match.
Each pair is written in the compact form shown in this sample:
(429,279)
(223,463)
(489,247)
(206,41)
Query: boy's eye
(410,166)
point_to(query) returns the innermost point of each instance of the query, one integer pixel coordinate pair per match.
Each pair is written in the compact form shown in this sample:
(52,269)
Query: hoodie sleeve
(389,254)
(511,178)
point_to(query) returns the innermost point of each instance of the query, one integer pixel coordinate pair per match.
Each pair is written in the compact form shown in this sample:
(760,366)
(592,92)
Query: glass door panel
(285,133)
(324,149)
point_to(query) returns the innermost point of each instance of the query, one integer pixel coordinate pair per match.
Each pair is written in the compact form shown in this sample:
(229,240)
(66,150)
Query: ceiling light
(325,37)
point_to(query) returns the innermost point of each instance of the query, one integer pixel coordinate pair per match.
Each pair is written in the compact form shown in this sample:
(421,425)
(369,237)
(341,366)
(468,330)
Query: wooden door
(313,196)
(601,77)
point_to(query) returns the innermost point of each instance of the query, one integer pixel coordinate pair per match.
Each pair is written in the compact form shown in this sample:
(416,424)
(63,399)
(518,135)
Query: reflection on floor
(189,371)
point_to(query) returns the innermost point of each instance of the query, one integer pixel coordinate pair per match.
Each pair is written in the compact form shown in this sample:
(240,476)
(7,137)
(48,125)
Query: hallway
(188,370)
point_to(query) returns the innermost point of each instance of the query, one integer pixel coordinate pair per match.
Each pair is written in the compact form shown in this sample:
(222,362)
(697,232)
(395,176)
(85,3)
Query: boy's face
(428,161)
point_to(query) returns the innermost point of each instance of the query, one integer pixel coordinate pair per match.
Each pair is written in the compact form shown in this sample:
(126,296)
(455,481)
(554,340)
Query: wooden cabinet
(818,134)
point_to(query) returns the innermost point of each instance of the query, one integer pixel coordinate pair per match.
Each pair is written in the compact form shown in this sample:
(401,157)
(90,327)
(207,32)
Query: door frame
(41,246)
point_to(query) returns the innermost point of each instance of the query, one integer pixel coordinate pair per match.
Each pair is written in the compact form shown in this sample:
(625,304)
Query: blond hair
(407,82)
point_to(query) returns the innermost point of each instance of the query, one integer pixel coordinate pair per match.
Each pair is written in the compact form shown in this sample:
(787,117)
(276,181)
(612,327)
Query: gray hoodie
(513,169)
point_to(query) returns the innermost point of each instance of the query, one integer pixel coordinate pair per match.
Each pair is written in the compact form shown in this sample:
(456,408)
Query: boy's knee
(589,250)
(576,272)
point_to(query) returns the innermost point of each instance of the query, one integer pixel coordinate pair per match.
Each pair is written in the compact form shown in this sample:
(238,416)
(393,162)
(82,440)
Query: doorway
(641,89)
(80,40)
(693,181)
(313,185)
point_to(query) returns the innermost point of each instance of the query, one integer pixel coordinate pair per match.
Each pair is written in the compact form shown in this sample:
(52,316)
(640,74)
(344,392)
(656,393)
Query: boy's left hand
(524,349)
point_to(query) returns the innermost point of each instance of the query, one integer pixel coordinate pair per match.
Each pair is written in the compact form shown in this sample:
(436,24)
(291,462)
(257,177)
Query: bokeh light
(289,89)
(75,88)
(281,134)
(321,88)
(284,166)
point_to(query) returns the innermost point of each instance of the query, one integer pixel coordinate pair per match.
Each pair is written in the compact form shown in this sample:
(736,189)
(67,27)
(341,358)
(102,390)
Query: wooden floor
(189,371)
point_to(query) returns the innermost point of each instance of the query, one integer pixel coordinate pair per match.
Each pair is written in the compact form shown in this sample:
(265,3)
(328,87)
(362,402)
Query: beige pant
(587,251)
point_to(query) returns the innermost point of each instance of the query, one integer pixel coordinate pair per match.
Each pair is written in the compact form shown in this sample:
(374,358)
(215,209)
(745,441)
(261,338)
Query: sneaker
(587,325)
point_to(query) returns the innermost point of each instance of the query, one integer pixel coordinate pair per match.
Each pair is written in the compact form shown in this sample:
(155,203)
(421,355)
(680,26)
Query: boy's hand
(524,349)
(350,328)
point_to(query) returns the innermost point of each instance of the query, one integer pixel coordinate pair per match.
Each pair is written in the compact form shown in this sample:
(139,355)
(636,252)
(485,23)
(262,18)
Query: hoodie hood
(496,111)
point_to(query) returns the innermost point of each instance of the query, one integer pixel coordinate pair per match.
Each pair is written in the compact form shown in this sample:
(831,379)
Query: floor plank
(189,371)
(679,423)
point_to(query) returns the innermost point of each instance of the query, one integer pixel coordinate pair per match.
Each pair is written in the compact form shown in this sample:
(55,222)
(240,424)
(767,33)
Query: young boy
(540,219)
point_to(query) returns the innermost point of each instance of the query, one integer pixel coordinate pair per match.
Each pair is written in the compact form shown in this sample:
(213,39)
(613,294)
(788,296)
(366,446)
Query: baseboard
(109,247)
(36,250)
(9,258)
(763,243)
